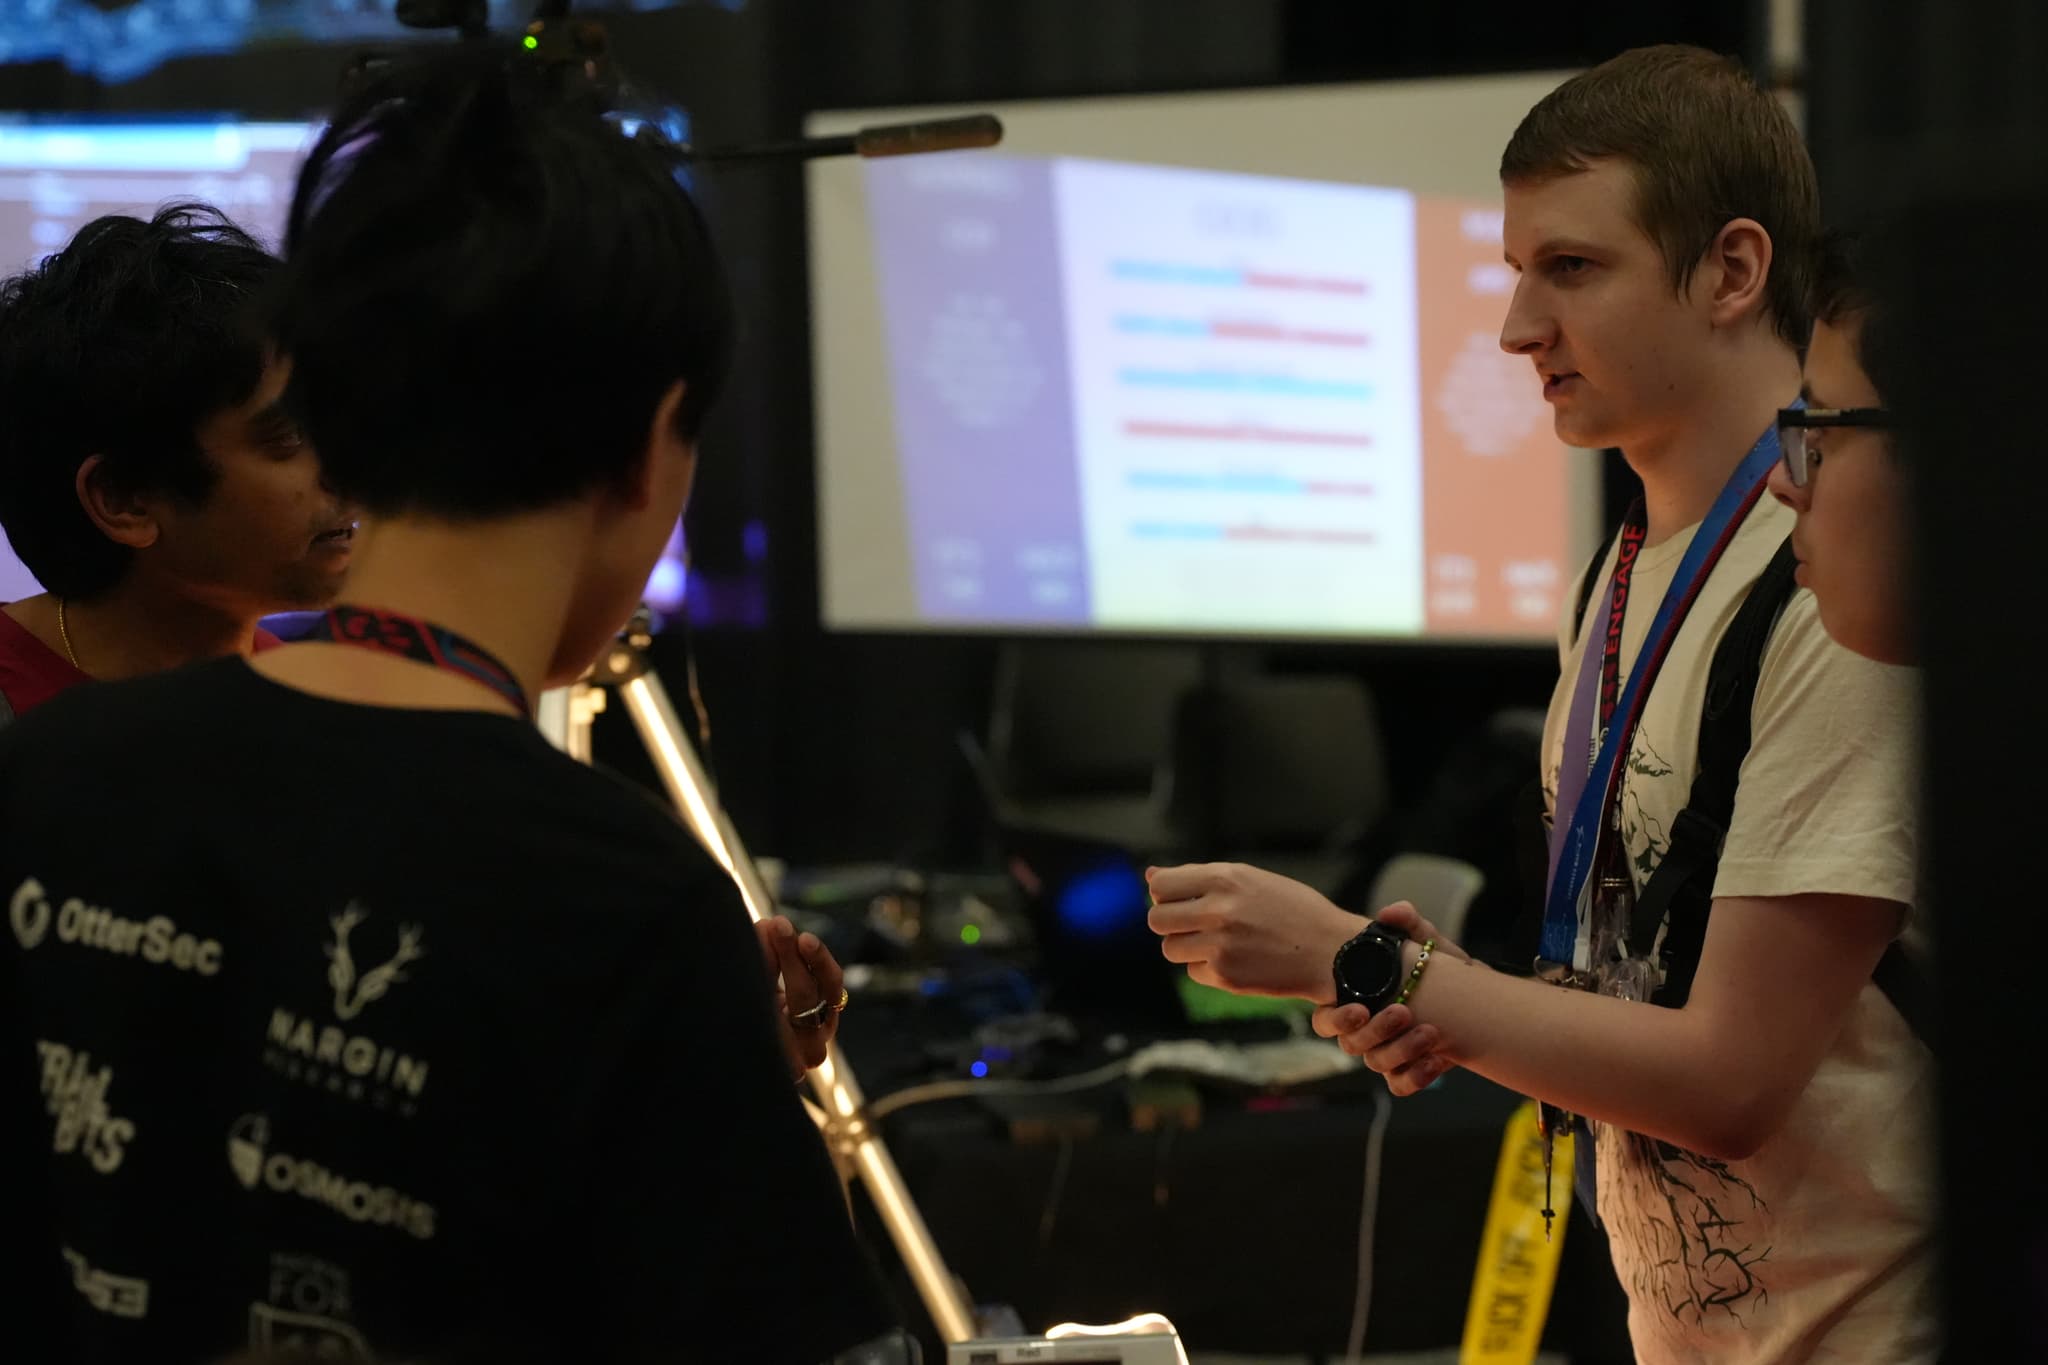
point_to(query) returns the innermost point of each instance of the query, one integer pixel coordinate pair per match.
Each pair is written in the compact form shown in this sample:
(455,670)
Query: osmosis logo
(258,1166)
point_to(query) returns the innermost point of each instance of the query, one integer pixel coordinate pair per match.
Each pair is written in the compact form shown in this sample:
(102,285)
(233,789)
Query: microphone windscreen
(933,135)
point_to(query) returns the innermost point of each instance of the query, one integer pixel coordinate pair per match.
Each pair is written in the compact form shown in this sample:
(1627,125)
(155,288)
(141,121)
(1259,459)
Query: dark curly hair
(121,345)
(489,287)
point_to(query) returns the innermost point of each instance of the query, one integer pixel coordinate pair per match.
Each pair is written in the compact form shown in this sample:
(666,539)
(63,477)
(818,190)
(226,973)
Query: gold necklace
(64,634)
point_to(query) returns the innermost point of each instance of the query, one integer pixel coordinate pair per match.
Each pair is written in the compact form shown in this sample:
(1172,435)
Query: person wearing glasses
(1759,1110)
(1851,540)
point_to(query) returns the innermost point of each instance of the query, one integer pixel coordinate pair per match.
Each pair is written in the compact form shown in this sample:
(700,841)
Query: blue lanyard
(1574,845)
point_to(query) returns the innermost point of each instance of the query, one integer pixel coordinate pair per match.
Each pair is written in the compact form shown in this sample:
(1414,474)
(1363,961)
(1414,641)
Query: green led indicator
(970,934)
(531,42)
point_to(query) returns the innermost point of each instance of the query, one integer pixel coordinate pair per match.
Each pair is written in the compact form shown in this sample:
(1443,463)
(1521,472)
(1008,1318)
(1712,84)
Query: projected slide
(1140,398)
(56,178)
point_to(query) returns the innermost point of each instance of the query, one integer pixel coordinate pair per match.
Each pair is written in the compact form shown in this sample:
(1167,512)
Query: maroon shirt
(31,672)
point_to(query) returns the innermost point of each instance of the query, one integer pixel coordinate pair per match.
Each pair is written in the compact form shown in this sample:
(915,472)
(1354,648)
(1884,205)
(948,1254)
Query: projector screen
(1224,364)
(57,176)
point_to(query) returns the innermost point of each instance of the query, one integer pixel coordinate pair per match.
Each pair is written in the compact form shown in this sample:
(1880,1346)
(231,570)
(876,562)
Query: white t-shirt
(1818,1248)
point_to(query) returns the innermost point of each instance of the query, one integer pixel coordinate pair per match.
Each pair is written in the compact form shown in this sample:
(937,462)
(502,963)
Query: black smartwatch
(1368,968)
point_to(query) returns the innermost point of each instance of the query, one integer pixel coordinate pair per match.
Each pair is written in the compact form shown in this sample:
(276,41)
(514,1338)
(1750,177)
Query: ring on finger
(816,1015)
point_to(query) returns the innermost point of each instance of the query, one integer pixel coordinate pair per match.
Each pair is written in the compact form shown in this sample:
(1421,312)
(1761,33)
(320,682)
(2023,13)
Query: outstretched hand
(1249,931)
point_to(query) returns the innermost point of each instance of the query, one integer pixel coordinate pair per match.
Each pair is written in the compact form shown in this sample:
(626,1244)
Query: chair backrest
(1443,889)
(1074,717)
(1278,762)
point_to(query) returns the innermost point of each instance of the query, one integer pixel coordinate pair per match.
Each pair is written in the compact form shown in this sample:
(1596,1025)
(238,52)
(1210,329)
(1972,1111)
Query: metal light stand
(565,717)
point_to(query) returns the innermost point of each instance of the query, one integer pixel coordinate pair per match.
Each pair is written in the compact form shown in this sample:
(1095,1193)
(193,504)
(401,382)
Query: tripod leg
(565,715)
(846,1128)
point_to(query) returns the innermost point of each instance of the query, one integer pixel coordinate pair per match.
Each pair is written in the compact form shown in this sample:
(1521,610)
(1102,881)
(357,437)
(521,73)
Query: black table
(1244,1229)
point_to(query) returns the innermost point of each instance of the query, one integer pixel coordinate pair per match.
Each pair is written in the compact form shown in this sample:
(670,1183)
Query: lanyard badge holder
(1590,891)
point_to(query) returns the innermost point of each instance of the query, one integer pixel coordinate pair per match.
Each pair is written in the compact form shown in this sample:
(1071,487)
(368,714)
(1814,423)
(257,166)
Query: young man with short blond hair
(1763,1161)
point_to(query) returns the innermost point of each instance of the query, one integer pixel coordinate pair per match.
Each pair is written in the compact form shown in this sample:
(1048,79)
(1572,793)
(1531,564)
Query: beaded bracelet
(1415,977)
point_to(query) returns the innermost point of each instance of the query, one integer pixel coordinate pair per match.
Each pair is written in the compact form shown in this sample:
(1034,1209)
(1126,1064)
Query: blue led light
(1106,899)
(979,1069)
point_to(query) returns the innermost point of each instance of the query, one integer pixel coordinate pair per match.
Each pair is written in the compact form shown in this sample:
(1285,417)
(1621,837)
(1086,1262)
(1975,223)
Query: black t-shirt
(365,1028)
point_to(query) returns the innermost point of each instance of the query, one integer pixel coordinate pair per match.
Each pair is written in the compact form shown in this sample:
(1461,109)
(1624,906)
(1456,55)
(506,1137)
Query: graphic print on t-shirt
(464,948)
(1642,833)
(1696,1261)
(308,1310)
(351,993)
(120,1296)
(35,915)
(1694,1231)
(259,1166)
(355,1065)
(76,1094)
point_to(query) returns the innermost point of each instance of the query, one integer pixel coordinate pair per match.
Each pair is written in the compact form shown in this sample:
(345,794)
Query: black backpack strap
(1909,990)
(1682,888)
(6,711)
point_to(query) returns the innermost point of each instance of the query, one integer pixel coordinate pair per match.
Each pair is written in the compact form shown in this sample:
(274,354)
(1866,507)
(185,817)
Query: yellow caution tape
(1517,1267)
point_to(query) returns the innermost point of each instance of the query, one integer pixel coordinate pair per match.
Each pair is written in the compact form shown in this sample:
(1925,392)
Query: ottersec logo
(154,940)
(258,1167)
(340,1060)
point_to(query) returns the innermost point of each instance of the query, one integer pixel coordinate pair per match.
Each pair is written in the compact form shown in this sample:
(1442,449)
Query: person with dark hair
(386,1029)
(1854,547)
(1728,795)
(149,477)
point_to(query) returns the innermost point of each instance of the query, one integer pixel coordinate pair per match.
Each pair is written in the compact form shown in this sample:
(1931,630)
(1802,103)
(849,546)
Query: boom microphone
(888,139)
(932,135)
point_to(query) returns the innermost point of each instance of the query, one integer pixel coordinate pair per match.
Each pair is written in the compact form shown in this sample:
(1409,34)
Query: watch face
(1369,968)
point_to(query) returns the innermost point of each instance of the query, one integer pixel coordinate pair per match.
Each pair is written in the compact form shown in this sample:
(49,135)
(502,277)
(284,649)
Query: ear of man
(123,514)
(1733,278)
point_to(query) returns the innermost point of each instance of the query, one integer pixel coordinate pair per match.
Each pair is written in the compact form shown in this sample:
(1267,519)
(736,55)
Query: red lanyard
(1633,530)
(423,642)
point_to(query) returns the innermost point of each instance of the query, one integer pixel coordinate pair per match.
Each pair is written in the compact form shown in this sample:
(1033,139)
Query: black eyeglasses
(1794,423)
